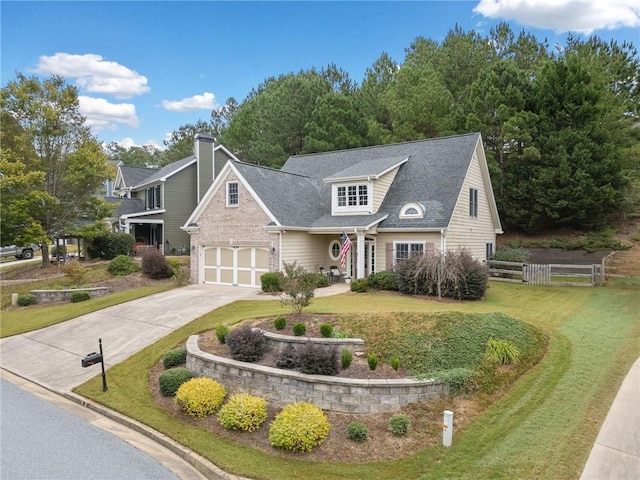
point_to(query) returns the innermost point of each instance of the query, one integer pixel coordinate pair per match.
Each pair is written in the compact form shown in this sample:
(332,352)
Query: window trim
(153,198)
(331,245)
(473,202)
(237,193)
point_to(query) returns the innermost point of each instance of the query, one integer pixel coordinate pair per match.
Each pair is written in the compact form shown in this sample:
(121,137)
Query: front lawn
(543,428)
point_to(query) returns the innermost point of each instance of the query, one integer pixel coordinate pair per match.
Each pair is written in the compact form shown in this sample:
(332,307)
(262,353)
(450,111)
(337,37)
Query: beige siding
(465,231)
(240,226)
(382,239)
(381,187)
(309,251)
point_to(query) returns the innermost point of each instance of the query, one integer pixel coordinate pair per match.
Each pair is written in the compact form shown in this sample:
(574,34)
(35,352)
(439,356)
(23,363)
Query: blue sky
(145,68)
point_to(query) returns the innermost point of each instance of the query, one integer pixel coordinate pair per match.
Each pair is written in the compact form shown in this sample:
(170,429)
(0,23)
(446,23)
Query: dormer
(361,188)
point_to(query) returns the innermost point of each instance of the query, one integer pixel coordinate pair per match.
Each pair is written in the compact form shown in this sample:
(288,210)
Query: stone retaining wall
(336,394)
(277,342)
(62,295)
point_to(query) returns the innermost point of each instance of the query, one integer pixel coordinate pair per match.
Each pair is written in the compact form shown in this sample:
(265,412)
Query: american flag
(346,245)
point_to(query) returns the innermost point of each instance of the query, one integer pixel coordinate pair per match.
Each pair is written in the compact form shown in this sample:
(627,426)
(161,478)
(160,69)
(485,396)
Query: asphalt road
(40,441)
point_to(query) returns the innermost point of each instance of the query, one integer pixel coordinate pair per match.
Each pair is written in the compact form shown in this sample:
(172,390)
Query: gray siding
(179,200)
(204,155)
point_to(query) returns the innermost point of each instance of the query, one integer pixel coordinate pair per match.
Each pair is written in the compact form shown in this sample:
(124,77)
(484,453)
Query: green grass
(543,428)
(26,319)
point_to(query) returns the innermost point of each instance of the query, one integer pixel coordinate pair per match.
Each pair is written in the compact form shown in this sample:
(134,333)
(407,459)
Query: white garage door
(241,266)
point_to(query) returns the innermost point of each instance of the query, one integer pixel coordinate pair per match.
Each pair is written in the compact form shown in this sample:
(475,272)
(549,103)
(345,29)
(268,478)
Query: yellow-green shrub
(299,426)
(243,412)
(200,397)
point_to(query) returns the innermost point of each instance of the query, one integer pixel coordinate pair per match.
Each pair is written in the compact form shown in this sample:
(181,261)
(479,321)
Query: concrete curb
(201,464)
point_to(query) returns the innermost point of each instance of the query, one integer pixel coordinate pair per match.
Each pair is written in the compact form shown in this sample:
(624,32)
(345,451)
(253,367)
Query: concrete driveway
(52,356)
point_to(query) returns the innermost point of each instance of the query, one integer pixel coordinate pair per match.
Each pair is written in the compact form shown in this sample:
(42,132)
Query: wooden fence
(546,274)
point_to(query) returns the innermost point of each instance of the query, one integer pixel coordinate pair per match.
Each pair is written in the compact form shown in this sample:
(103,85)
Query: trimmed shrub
(399,424)
(171,380)
(395,363)
(26,300)
(501,351)
(298,293)
(109,245)
(326,330)
(280,323)
(357,431)
(315,359)
(243,412)
(359,285)
(200,397)
(155,265)
(372,361)
(77,297)
(316,280)
(174,357)
(122,265)
(299,427)
(272,282)
(221,333)
(246,344)
(382,280)
(288,358)
(299,329)
(346,358)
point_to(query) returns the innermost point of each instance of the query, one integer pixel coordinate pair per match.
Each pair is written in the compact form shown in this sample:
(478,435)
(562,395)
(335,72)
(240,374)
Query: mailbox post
(93,358)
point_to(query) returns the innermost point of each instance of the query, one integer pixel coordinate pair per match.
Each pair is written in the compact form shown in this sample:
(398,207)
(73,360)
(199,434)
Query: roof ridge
(385,145)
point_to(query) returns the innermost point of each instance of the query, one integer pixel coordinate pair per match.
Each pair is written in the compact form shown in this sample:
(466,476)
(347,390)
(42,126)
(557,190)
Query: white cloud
(102,115)
(206,101)
(94,74)
(582,16)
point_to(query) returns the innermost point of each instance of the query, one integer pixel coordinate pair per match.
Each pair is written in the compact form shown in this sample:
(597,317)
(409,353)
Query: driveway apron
(52,356)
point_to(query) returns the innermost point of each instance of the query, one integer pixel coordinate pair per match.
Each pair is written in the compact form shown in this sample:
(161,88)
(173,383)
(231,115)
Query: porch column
(360,254)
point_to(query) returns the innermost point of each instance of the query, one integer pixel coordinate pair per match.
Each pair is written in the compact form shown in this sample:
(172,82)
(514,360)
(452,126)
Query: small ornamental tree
(298,292)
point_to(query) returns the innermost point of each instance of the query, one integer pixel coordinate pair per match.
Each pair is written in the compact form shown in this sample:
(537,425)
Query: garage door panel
(226,257)
(235,266)
(262,258)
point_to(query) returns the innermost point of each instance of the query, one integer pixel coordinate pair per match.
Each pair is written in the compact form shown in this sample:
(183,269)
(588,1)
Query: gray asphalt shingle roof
(167,170)
(126,206)
(133,176)
(298,194)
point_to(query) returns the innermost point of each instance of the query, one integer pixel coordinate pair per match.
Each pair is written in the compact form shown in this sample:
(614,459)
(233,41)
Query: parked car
(23,253)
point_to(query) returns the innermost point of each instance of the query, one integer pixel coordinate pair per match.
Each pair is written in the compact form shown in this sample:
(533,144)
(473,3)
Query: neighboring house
(153,203)
(393,201)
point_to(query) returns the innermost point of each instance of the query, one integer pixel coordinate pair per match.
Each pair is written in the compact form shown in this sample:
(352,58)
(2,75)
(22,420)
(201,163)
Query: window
(152,198)
(407,250)
(412,210)
(232,194)
(473,202)
(489,250)
(334,250)
(353,196)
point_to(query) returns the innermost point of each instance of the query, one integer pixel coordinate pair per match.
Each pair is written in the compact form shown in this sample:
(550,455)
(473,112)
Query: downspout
(443,240)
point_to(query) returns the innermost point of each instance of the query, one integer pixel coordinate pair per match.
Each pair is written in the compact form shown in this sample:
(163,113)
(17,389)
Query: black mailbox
(91,359)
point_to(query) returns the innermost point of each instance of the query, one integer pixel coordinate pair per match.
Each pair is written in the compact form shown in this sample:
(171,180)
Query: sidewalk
(616,453)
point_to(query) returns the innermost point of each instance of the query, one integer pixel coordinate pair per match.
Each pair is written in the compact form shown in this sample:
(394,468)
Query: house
(153,203)
(392,201)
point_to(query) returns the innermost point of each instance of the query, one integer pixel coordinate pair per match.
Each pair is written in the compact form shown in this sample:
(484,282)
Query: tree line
(560,123)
